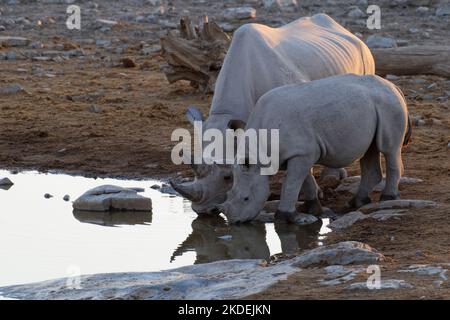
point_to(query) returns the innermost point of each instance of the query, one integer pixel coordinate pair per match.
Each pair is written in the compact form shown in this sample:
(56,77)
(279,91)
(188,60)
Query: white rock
(427,270)
(240,13)
(355,13)
(351,184)
(347,220)
(232,279)
(443,10)
(384,284)
(337,275)
(398,204)
(108,197)
(342,253)
(8,41)
(283,5)
(376,41)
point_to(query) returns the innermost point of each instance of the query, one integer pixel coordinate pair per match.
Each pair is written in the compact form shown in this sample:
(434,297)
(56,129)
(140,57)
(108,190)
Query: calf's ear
(193,114)
(236,124)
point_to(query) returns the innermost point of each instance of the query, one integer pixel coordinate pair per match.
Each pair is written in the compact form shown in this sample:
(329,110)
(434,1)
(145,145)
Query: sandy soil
(48,126)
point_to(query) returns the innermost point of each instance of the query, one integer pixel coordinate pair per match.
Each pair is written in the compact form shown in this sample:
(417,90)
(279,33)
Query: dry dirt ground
(49,125)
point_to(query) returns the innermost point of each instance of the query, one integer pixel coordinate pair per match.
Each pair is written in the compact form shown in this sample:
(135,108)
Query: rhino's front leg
(298,169)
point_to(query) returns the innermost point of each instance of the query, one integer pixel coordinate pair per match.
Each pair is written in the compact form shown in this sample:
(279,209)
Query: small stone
(48,196)
(66,197)
(428,97)
(304,219)
(8,41)
(11,89)
(155,187)
(128,63)
(2,28)
(448,145)
(422,10)
(355,13)
(443,10)
(6,182)
(391,77)
(240,13)
(226,237)
(377,41)
(95,109)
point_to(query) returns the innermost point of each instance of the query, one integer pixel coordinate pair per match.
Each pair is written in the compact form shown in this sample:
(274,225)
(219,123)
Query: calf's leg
(298,169)
(371,175)
(394,170)
(310,191)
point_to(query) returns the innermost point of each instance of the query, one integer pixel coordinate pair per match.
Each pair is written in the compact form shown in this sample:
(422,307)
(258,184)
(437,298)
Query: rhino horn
(188,190)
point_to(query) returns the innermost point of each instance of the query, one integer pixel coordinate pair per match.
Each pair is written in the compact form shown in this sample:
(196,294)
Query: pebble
(240,13)
(66,197)
(11,89)
(9,41)
(95,109)
(48,196)
(355,13)
(376,41)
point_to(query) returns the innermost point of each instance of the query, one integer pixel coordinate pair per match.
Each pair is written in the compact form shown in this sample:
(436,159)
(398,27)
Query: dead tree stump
(194,53)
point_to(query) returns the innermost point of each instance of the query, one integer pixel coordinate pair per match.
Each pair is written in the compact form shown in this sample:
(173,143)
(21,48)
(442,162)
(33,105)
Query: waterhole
(42,238)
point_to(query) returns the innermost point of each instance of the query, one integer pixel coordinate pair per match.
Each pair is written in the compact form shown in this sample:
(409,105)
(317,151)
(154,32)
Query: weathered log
(414,60)
(194,53)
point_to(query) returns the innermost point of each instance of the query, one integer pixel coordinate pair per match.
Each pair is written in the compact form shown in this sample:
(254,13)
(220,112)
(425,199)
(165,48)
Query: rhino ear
(236,124)
(193,114)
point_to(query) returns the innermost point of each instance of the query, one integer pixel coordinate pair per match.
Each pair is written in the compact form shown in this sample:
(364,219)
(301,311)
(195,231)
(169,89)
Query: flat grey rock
(108,197)
(398,204)
(351,184)
(342,253)
(376,41)
(231,279)
(347,220)
(384,284)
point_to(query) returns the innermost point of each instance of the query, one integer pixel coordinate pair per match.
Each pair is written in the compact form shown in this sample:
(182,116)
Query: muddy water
(43,238)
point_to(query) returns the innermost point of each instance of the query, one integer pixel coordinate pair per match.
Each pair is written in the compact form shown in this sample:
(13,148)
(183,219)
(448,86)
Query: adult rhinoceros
(259,59)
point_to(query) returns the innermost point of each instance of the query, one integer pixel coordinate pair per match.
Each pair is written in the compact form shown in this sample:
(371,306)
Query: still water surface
(43,239)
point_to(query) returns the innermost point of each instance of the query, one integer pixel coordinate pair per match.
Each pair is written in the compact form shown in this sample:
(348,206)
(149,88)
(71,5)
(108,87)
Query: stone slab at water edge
(232,279)
(109,198)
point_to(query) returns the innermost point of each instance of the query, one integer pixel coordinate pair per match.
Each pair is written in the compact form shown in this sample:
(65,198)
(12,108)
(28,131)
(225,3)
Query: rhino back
(335,119)
(261,58)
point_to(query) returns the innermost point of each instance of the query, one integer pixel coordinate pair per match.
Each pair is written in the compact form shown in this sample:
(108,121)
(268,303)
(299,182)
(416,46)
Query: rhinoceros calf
(260,59)
(333,122)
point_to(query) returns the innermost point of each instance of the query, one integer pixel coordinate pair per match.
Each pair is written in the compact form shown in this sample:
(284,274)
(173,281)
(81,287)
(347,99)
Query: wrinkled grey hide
(332,122)
(261,58)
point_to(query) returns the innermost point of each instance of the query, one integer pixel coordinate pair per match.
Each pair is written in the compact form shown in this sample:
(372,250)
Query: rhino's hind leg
(394,170)
(298,169)
(371,175)
(310,189)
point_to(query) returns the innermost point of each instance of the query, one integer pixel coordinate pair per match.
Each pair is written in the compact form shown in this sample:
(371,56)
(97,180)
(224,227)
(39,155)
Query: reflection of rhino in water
(248,241)
(295,238)
(113,218)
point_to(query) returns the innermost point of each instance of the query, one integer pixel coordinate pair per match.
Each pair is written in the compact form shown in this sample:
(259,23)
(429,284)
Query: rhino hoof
(387,197)
(285,216)
(357,202)
(312,207)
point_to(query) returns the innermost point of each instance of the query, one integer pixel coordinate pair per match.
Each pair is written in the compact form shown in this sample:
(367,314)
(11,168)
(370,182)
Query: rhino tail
(408,134)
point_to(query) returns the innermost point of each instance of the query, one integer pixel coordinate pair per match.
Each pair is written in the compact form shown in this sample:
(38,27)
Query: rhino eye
(246,199)
(227,177)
